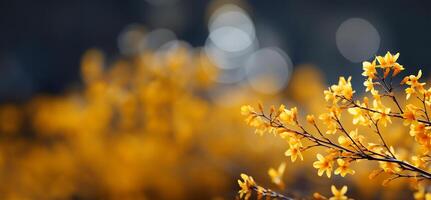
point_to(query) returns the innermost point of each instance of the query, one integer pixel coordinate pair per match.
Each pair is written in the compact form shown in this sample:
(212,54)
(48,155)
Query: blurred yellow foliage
(151,126)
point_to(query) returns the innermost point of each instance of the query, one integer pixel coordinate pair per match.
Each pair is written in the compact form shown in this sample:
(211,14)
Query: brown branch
(361,155)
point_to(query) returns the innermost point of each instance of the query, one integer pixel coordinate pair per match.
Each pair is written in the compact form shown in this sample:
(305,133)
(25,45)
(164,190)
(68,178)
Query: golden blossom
(323,164)
(343,168)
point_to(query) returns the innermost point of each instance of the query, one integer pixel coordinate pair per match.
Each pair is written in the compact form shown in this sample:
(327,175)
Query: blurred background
(41,42)
(139,99)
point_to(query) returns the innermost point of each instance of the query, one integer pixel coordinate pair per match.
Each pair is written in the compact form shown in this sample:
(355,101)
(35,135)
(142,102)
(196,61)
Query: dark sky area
(41,42)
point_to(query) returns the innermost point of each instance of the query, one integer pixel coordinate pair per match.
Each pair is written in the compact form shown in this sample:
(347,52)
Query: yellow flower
(390,167)
(418,161)
(366,101)
(277,175)
(409,91)
(356,136)
(331,125)
(324,164)
(247,110)
(421,194)
(410,114)
(427,94)
(335,112)
(397,69)
(358,116)
(310,119)
(417,129)
(294,151)
(289,116)
(339,194)
(378,148)
(383,113)
(347,142)
(374,173)
(343,168)
(344,141)
(375,94)
(421,133)
(259,124)
(426,147)
(344,88)
(369,85)
(246,186)
(330,96)
(414,83)
(369,69)
(414,80)
(388,61)
(288,135)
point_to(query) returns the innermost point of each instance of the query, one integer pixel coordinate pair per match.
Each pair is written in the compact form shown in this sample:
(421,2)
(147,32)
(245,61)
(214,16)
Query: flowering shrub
(342,147)
(134,128)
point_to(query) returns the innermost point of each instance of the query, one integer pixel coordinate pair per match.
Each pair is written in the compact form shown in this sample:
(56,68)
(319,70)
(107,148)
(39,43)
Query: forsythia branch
(351,145)
(248,186)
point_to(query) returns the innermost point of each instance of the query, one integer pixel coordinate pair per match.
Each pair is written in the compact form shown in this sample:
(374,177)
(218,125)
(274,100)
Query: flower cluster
(249,186)
(372,113)
(136,127)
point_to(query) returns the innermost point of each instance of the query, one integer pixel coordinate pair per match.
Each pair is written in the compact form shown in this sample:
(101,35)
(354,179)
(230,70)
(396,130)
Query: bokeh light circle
(175,45)
(229,76)
(357,39)
(268,70)
(233,16)
(231,39)
(228,60)
(157,38)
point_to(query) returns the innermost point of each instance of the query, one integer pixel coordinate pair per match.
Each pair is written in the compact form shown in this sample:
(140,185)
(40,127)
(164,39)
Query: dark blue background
(41,41)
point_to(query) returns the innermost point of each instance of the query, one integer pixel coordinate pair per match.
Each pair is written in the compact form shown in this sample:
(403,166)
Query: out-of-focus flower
(338,194)
(276,175)
(422,194)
